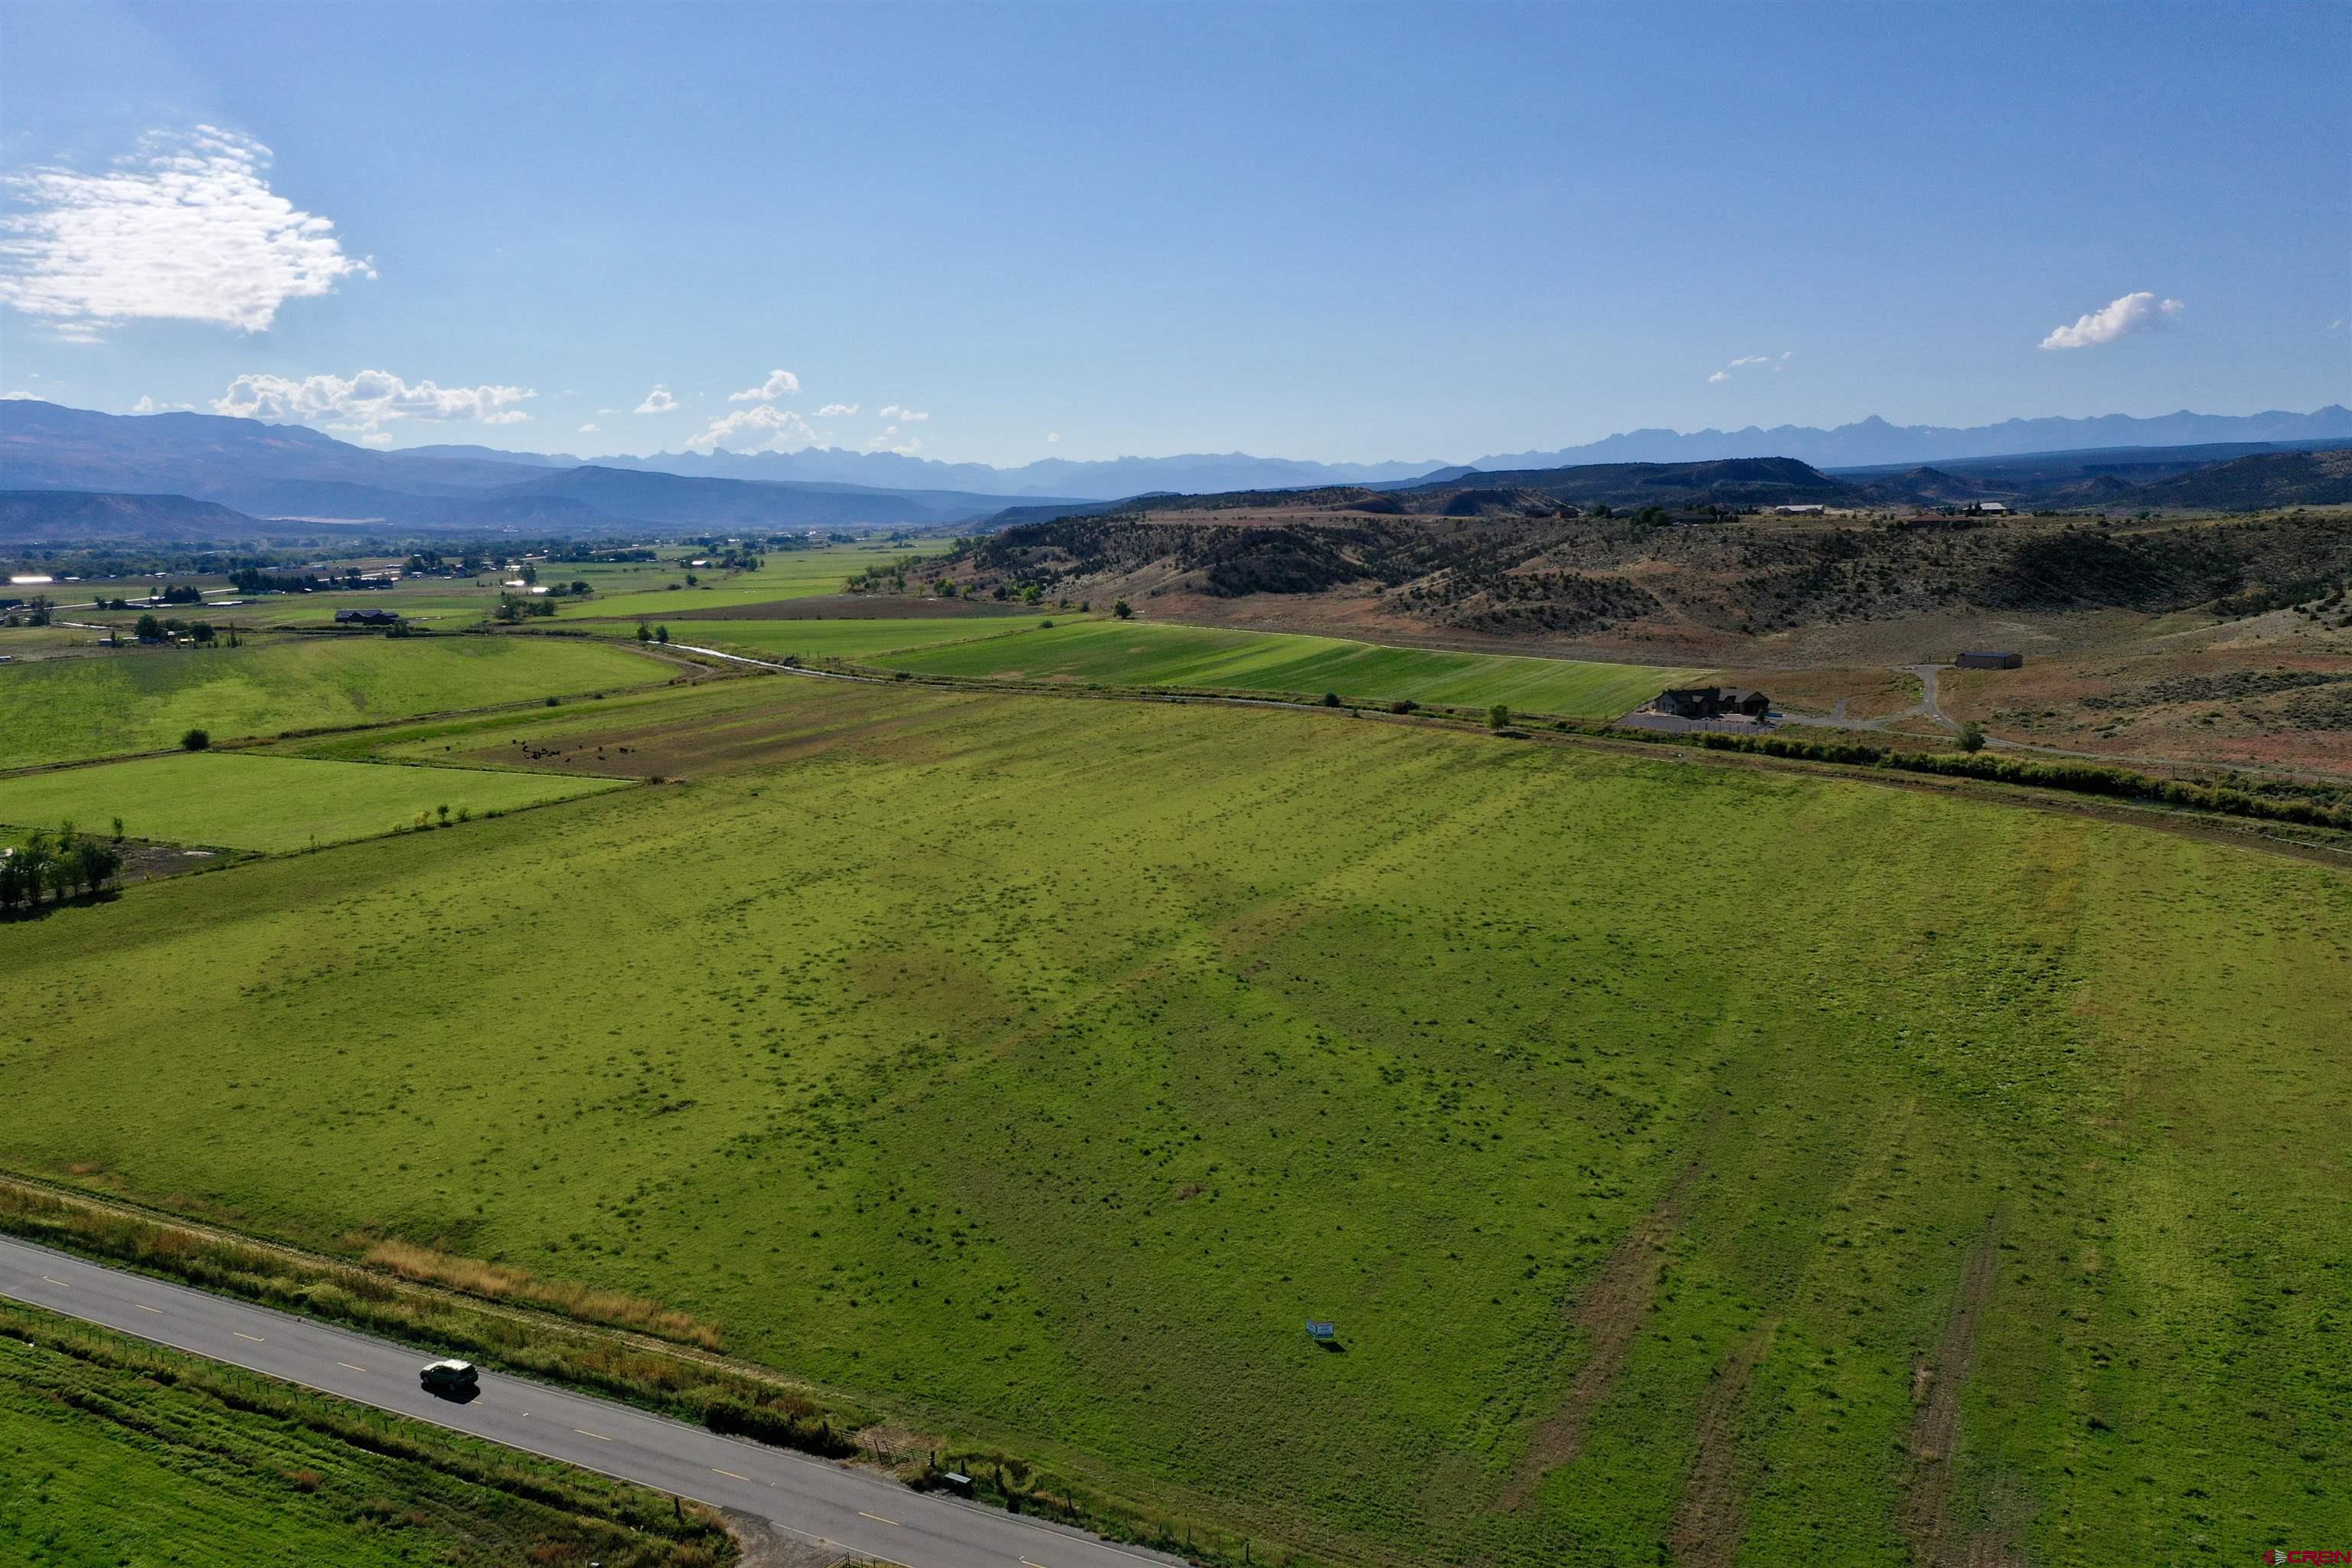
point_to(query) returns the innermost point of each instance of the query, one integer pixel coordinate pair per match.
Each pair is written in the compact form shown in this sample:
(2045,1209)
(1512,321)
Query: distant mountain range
(292,472)
(1867,442)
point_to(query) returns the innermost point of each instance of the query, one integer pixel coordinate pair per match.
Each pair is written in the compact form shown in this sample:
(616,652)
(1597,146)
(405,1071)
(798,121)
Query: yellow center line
(877,1517)
(145,1308)
(731,1475)
(585,1433)
(256,1339)
(349,1367)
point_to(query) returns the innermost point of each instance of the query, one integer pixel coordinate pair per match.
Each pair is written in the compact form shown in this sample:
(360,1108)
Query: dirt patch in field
(1710,1517)
(1609,1310)
(801,725)
(763,1544)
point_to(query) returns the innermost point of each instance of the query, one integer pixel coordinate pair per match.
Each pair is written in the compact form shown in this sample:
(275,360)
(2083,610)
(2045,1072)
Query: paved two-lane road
(824,1502)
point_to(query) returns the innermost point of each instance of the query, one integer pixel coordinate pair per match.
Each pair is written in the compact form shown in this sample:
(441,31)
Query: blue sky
(1411,232)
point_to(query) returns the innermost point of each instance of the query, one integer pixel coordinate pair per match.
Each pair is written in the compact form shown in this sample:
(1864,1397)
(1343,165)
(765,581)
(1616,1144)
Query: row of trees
(57,869)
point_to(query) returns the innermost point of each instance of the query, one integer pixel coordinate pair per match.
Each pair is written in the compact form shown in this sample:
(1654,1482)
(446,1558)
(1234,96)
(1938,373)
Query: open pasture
(237,801)
(835,638)
(783,574)
(1699,1161)
(1131,653)
(135,699)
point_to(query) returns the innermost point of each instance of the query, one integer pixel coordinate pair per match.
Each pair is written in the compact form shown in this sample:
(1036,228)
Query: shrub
(1973,737)
(1330,699)
(1499,715)
(1403,705)
(1122,609)
(196,740)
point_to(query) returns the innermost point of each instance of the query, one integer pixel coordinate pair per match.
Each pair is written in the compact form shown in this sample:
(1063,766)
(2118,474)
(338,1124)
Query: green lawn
(136,699)
(1675,1145)
(115,1452)
(267,803)
(1154,654)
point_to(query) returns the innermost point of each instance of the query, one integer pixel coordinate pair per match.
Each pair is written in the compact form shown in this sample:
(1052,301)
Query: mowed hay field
(132,699)
(1130,653)
(853,640)
(1701,1162)
(265,803)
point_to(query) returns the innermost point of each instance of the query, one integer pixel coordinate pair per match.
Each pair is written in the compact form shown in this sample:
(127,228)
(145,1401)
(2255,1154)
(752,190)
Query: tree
(202,631)
(531,575)
(196,740)
(1330,699)
(1499,715)
(1122,609)
(661,634)
(1973,737)
(148,629)
(645,632)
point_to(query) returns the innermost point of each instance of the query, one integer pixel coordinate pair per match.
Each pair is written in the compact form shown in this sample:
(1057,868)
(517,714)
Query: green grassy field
(143,698)
(1153,654)
(268,803)
(116,1452)
(853,640)
(1702,1163)
(783,574)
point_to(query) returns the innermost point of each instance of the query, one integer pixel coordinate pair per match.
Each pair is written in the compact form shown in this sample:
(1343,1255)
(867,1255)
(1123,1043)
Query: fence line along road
(857,1512)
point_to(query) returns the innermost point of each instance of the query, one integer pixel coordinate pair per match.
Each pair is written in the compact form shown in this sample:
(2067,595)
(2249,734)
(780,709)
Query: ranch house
(1711,702)
(1979,660)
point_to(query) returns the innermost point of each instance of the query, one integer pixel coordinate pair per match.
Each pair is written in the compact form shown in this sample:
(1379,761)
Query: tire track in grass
(1925,1511)
(1712,1514)
(1610,1311)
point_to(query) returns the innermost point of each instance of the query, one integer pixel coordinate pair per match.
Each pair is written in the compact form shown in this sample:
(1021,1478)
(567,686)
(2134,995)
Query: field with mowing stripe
(1153,654)
(131,699)
(853,640)
(246,802)
(1701,1162)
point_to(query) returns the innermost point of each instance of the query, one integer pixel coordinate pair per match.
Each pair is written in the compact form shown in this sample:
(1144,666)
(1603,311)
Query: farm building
(1982,660)
(1711,702)
(1812,509)
(367,617)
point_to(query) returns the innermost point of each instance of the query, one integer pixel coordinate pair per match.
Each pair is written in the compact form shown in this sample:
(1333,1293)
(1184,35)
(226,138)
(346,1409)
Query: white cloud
(376,438)
(185,228)
(903,415)
(1743,363)
(780,384)
(587,429)
(770,429)
(657,401)
(1052,436)
(20,397)
(368,400)
(145,404)
(2134,312)
(836,410)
